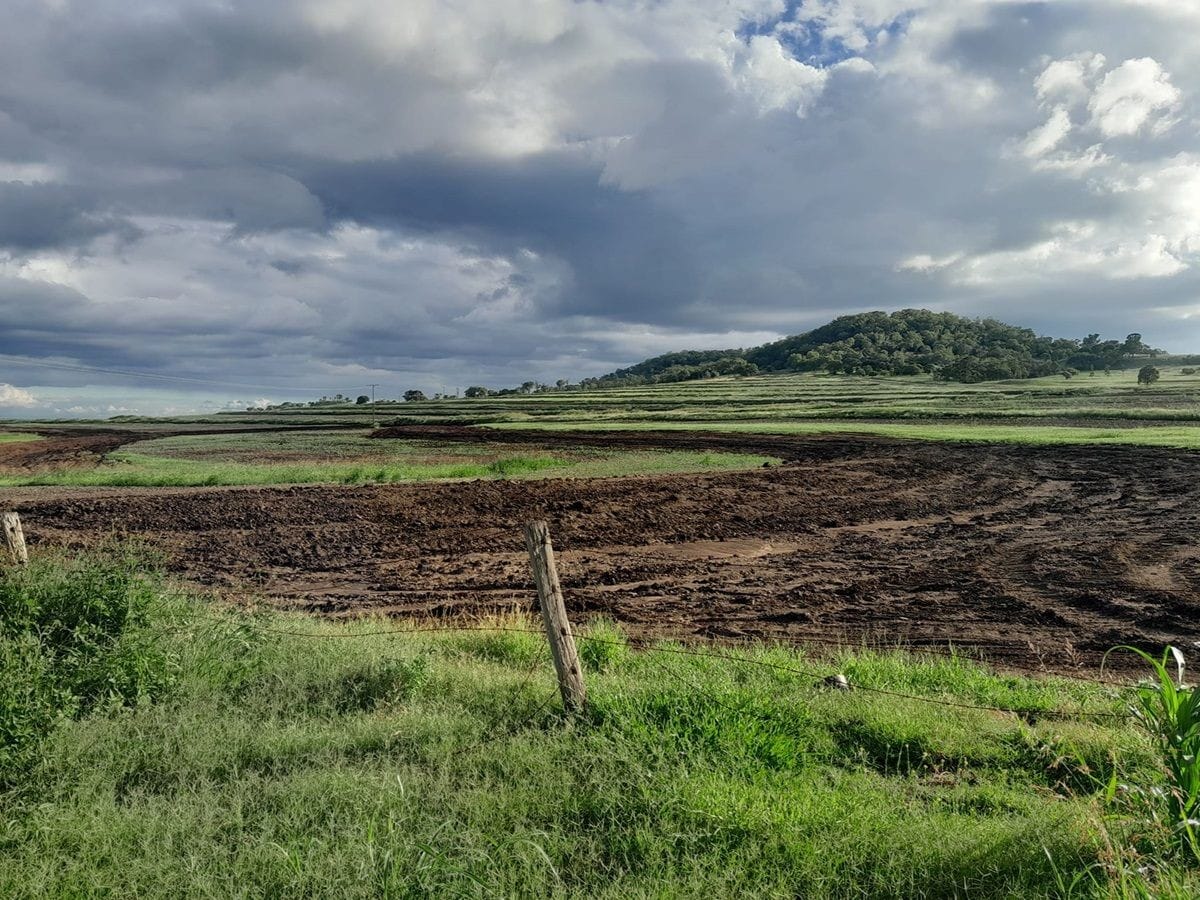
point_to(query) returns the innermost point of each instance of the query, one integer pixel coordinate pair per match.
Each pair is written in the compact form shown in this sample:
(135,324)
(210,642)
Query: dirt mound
(1034,555)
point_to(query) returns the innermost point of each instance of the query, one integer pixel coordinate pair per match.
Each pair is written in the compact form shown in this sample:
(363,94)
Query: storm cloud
(427,194)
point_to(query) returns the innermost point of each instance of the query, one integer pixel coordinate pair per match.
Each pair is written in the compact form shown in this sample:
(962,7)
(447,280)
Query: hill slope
(907,342)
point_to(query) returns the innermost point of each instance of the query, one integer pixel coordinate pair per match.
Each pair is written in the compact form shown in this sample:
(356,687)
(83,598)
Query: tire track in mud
(1044,555)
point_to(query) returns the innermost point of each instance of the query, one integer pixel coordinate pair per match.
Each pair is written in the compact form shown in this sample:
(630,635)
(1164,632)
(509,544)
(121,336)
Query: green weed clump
(1169,711)
(75,636)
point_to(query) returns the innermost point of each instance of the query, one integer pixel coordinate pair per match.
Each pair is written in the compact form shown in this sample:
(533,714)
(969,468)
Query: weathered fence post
(14,537)
(554,615)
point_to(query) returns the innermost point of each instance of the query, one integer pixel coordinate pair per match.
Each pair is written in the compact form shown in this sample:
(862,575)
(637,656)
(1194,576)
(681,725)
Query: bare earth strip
(1033,554)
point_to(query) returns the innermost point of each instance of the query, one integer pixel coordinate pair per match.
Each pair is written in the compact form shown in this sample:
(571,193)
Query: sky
(209,205)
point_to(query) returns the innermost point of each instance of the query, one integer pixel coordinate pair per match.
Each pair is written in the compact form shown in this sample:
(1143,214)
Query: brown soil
(60,450)
(79,447)
(1035,555)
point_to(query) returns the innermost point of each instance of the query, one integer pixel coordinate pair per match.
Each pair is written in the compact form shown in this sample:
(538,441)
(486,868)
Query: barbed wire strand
(645,646)
(800,642)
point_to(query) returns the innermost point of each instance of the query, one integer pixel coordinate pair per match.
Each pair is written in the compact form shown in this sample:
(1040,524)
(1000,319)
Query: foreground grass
(130,469)
(288,757)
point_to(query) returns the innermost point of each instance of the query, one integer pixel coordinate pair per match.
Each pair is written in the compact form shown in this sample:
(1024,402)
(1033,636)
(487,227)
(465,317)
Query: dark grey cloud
(340,190)
(48,216)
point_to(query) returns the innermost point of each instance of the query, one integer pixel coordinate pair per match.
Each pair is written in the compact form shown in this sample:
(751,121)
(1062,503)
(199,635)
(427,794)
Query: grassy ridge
(130,469)
(287,757)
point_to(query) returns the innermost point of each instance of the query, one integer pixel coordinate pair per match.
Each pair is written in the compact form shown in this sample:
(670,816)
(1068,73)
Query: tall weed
(1169,711)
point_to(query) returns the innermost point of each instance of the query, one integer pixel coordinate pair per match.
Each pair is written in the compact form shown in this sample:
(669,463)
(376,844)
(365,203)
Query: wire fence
(663,646)
(802,642)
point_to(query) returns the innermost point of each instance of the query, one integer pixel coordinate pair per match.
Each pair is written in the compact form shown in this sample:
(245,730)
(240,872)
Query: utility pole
(374,413)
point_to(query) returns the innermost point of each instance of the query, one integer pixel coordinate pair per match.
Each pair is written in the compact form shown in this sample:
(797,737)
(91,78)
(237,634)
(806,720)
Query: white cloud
(11,396)
(776,79)
(1046,137)
(1136,93)
(1075,248)
(1167,197)
(923,262)
(1073,165)
(1069,80)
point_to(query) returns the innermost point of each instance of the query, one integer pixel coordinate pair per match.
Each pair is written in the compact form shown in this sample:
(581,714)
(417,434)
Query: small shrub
(74,636)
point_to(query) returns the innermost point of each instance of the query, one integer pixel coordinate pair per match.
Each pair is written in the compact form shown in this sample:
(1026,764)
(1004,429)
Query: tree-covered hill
(907,342)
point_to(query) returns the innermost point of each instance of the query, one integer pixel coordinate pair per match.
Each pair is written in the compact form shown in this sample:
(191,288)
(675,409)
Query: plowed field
(1035,555)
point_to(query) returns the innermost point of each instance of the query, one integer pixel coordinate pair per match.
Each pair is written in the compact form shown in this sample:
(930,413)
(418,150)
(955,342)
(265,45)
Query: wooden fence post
(14,537)
(554,615)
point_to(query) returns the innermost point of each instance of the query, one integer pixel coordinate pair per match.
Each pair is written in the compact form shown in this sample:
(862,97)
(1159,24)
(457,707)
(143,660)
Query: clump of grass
(510,638)
(602,645)
(362,686)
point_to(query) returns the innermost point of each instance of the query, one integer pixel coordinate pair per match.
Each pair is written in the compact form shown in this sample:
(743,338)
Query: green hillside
(907,342)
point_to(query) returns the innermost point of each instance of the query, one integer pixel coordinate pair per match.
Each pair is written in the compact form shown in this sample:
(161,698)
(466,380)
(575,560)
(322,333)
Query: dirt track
(1048,555)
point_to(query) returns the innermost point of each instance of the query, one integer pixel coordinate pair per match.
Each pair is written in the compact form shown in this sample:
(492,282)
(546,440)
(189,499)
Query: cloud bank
(284,195)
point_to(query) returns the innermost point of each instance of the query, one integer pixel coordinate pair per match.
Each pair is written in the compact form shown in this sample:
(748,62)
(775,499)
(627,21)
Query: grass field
(353,458)
(16,437)
(210,753)
(1097,408)
(1087,408)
